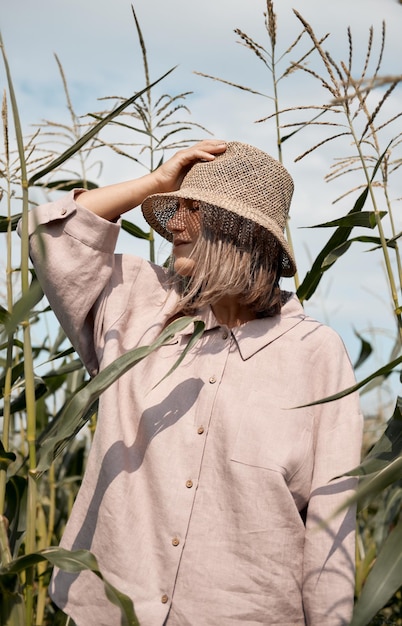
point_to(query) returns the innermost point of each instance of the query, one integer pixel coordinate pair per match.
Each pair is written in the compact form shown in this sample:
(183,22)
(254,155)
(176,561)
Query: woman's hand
(169,176)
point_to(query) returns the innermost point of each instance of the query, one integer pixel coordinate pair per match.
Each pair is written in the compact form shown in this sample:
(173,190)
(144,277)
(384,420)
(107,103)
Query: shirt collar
(255,335)
(258,334)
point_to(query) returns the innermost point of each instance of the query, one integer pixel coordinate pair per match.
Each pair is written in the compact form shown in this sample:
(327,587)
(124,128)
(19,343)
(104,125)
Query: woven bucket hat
(243,180)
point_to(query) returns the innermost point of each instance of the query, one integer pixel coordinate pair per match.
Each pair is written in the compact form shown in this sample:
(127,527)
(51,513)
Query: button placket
(209,374)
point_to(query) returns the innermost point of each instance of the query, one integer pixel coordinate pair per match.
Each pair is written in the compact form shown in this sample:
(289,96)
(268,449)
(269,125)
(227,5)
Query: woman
(204,496)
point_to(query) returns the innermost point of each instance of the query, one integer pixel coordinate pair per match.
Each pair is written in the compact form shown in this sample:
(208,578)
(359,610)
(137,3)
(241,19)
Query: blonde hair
(235,257)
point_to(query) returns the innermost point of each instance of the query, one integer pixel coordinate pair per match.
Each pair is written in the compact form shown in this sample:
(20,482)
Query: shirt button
(164,598)
(200,430)
(63,211)
(225,334)
(189,484)
(175,541)
(212,380)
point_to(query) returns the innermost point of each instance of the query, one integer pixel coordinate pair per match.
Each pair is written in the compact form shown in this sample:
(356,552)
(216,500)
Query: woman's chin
(184,266)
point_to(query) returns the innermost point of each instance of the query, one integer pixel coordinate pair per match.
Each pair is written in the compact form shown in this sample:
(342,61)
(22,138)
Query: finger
(204,151)
(211,145)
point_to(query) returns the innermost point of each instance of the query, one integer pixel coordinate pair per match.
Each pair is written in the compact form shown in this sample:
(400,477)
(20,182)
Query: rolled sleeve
(89,228)
(72,250)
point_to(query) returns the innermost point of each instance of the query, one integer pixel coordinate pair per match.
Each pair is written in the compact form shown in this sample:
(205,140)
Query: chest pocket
(274,439)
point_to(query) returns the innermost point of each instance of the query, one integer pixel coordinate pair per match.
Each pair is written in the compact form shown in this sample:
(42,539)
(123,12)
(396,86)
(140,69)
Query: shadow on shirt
(121,457)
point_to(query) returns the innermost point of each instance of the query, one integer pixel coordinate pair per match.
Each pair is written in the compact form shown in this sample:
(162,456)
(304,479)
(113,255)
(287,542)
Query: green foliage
(72,562)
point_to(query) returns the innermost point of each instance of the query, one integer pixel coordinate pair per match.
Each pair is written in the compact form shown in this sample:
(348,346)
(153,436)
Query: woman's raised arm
(111,201)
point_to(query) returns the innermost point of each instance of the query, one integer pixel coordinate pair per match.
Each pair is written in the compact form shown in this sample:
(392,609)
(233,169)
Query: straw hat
(243,180)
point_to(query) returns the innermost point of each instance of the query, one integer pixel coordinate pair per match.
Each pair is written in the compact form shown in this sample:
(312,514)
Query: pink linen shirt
(195,491)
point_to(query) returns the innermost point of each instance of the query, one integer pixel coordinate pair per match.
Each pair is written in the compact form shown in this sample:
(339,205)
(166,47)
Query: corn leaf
(19,403)
(23,307)
(375,483)
(364,219)
(384,579)
(391,243)
(365,350)
(6,458)
(340,236)
(198,331)
(73,562)
(136,231)
(16,491)
(4,221)
(387,448)
(68,185)
(384,371)
(335,254)
(12,608)
(337,240)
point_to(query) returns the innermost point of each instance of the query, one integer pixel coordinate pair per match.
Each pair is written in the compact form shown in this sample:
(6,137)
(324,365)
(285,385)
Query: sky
(97,44)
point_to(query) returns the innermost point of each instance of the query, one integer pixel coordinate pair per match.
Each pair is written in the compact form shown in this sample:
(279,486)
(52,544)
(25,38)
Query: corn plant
(154,120)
